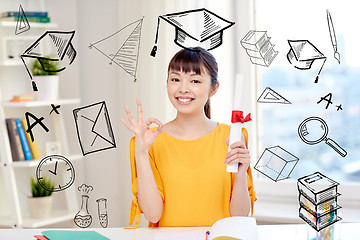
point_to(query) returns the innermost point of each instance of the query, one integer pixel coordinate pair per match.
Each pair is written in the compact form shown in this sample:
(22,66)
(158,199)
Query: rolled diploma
(236,128)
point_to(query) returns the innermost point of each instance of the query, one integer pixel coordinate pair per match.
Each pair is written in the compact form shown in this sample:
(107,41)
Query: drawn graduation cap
(51,46)
(302,55)
(194,28)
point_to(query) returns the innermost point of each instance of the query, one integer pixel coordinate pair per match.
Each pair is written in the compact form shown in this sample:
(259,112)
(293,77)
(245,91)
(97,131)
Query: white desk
(349,231)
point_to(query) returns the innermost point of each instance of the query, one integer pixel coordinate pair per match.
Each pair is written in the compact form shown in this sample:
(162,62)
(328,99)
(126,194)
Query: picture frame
(52,148)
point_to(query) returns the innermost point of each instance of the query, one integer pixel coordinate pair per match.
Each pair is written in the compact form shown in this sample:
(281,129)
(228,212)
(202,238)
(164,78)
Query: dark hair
(192,60)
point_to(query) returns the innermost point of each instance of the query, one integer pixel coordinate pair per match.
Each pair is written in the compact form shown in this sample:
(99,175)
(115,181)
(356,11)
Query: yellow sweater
(192,179)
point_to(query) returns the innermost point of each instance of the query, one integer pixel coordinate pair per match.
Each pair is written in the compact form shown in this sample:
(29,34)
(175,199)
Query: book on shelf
(29,18)
(22,98)
(14,139)
(23,140)
(27,14)
(34,148)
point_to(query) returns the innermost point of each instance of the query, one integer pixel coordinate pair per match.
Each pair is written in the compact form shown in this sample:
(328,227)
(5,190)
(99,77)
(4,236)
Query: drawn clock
(58,170)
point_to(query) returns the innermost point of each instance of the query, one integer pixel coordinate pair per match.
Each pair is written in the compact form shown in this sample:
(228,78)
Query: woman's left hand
(238,154)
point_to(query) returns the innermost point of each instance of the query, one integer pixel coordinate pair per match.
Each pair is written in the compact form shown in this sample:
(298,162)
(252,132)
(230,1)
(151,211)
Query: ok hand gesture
(144,136)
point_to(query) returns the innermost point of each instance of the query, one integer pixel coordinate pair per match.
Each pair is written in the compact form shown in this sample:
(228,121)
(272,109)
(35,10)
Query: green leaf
(38,190)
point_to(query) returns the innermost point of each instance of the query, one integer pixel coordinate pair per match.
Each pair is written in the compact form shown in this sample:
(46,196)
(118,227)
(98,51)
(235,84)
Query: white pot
(40,207)
(48,87)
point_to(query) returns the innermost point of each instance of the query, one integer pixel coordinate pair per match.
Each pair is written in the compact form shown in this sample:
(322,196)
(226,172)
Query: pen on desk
(332,36)
(207,234)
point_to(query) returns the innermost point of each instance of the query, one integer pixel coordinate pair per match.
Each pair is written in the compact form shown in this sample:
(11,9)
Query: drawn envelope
(94,128)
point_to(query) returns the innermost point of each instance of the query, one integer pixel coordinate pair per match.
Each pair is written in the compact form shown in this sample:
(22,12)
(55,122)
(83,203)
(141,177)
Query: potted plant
(41,201)
(47,82)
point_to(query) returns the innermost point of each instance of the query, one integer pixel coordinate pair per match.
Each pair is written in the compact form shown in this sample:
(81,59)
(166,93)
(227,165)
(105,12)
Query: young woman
(179,173)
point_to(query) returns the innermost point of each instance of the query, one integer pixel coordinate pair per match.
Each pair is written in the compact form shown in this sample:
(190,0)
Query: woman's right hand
(144,136)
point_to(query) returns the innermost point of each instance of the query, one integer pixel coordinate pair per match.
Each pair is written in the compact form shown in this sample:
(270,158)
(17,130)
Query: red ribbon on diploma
(237,116)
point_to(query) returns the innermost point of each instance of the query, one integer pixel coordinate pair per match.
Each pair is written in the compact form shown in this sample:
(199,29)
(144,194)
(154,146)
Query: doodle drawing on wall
(58,169)
(127,55)
(94,128)
(195,28)
(314,130)
(276,163)
(270,96)
(259,48)
(302,55)
(31,126)
(51,46)
(102,212)
(333,36)
(318,200)
(83,218)
(22,24)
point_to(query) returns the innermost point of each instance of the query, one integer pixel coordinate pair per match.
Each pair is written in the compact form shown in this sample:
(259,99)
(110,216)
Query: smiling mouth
(184,100)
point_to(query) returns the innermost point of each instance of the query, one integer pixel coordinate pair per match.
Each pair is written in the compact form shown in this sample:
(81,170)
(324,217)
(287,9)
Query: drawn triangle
(270,96)
(22,24)
(126,56)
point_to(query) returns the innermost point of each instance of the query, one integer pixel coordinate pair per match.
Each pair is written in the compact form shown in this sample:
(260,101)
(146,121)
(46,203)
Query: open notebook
(231,228)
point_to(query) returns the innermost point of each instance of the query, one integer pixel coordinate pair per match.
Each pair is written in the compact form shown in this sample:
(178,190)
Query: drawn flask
(83,219)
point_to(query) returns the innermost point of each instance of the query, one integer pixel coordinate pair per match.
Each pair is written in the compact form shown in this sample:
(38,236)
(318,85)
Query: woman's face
(188,92)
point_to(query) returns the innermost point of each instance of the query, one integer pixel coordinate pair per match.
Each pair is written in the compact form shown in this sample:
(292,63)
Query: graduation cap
(194,28)
(302,55)
(51,46)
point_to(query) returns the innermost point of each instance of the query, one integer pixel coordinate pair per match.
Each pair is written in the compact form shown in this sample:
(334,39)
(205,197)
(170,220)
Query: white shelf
(14,174)
(36,103)
(5,221)
(10,63)
(56,217)
(32,24)
(35,162)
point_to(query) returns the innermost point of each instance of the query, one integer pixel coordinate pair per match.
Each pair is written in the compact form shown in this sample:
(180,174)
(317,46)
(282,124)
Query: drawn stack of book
(318,200)
(259,48)
(22,148)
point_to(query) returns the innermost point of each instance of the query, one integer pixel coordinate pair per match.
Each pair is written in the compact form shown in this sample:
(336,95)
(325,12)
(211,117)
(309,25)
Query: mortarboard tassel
(154,49)
(35,89)
(317,77)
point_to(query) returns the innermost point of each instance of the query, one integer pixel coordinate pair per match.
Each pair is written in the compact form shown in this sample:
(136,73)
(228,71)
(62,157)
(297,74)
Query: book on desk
(230,228)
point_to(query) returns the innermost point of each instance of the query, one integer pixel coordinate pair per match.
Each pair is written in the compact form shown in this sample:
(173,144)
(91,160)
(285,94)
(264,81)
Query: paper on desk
(234,228)
(73,235)
(181,235)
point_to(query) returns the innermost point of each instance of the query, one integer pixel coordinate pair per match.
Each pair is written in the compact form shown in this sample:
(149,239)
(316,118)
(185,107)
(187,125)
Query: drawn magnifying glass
(314,130)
